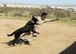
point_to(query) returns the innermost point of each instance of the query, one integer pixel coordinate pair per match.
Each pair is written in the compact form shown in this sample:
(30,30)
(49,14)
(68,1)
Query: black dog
(27,29)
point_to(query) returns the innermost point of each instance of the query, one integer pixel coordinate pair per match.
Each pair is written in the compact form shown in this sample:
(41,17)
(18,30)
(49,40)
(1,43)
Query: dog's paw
(27,42)
(34,35)
(38,33)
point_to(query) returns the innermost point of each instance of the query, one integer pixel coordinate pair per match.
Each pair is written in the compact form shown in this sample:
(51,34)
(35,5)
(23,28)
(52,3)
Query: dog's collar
(32,21)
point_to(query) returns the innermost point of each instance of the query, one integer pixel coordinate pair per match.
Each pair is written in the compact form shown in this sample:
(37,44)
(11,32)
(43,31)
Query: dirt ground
(53,38)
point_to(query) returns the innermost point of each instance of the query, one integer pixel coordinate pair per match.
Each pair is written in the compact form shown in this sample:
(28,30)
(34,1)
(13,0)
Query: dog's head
(35,20)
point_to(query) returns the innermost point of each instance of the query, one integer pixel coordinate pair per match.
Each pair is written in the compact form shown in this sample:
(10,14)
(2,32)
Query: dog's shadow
(19,42)
(7,43)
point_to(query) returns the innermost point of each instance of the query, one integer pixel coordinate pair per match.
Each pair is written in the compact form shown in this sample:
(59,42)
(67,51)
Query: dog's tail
(11,34)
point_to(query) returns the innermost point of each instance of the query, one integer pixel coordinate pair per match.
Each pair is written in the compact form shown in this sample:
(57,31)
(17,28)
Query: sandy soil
(53,38)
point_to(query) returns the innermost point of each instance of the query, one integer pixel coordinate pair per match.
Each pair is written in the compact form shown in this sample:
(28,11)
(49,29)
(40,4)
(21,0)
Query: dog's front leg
(33,31)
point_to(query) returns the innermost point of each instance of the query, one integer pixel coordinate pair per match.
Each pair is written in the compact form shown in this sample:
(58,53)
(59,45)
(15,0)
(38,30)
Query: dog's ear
(32,18)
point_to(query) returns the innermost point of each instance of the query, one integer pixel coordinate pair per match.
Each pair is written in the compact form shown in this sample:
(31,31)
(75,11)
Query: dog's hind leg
(15,39)
(27,33)
(23,35)
(13,42)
